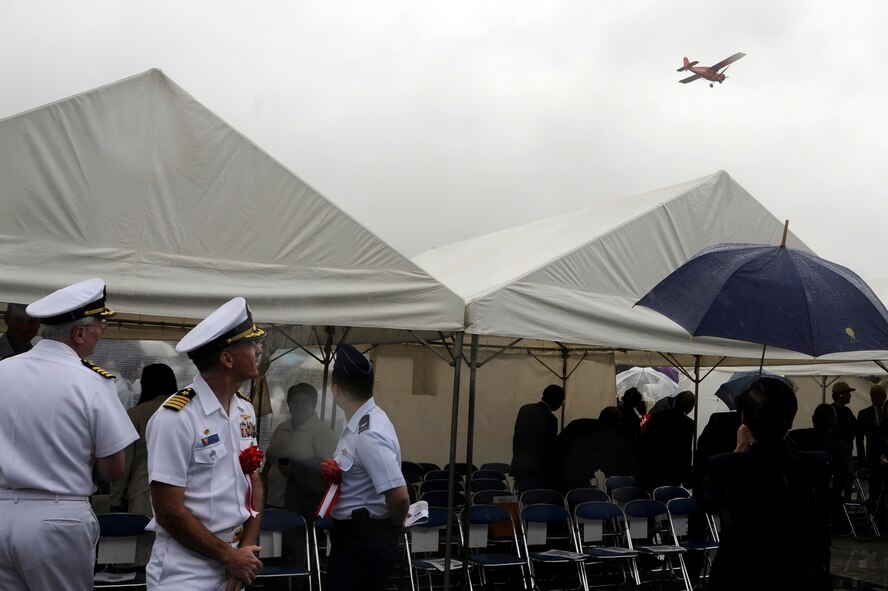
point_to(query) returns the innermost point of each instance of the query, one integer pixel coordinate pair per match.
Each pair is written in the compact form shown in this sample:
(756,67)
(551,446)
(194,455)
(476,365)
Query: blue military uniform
(364,540)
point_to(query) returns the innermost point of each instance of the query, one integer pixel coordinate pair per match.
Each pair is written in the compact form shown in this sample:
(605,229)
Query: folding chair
(860,503)
(275,522)
(597,534)
(624,494)
(118,535)
(412,468)
(664,494)
(543,549)
(320,537)
(424,545)
(612,483)
(643,526)
(681,511)
(481,517)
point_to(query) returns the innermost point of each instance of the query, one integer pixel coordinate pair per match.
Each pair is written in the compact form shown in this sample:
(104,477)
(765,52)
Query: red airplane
(711,73)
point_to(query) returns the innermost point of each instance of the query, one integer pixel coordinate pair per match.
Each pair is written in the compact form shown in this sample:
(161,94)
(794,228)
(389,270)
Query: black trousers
(363,554)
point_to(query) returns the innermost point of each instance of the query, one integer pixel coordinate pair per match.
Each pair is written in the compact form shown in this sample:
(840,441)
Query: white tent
(138,183)
(575,278)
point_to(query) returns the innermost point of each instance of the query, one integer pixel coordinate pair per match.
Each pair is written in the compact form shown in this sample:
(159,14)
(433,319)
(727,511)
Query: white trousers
(47,544)
(173,567)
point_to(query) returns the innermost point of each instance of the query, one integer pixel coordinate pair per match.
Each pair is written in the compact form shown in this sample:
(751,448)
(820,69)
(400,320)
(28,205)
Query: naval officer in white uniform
(61,420)
(207,532)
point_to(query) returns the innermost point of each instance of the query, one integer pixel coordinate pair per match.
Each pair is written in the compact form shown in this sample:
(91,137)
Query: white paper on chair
(638,527)
(117,550)
(478,535)
(438,563)
(271,543)
(106,577)
(417,514)
(536,534)
(424,540)
(563,554)
(592,531)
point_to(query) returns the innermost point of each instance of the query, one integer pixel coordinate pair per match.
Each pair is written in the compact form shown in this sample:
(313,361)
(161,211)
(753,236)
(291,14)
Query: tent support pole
(696,402)
(822,389)
(454,424)
(470,451)
(565,353)
(325,359)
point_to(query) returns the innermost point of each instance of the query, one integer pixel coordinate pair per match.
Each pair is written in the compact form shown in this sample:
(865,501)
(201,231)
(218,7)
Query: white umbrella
(652,384)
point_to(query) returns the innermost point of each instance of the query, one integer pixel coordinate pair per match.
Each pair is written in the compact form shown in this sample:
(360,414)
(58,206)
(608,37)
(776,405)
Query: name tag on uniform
(214,438)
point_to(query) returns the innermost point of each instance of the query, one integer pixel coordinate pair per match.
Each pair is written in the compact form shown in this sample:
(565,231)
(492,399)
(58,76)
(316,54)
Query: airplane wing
(726,62)
(690,78)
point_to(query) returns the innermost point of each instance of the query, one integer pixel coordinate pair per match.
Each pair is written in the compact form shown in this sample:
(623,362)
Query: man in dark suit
(872,428)
(846,428)
(772,500)
(533,444)
(820,438)
(666,445)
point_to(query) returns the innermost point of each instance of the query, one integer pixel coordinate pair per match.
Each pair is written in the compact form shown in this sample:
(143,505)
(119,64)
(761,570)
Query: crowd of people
(187,458)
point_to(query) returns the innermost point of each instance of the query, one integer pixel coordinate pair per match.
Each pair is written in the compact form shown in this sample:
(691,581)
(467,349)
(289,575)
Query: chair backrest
(486,473)
(411,476)
(121,525)
(488,484)
(862,479)
(611,483)
(441,475)
(280,520)
(665,494)
(583,495)
(541,496)
(430,485)
(412,492)
(428,466)
(429,537)
(624,494)
(498,466)
(438,498)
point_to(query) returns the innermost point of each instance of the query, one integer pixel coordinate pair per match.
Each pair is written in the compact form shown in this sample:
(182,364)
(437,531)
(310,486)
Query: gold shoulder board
(104,373)
(245,397)
(178,400)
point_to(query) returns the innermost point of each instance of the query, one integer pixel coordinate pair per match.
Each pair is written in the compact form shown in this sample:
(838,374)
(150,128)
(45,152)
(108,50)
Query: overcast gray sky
(432,122)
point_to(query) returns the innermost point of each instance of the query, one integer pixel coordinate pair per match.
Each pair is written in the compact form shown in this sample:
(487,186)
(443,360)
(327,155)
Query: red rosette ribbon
(251,459)
(331,472)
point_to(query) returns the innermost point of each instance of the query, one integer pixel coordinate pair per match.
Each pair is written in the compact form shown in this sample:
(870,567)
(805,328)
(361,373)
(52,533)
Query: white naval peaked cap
(84,298)
(231,322)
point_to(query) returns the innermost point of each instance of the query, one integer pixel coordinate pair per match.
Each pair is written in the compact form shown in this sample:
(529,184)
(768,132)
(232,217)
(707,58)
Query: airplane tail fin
(687,64)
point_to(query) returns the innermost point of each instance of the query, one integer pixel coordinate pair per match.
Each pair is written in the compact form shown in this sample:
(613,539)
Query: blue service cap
(231,322)
(82,299)
(351,363)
